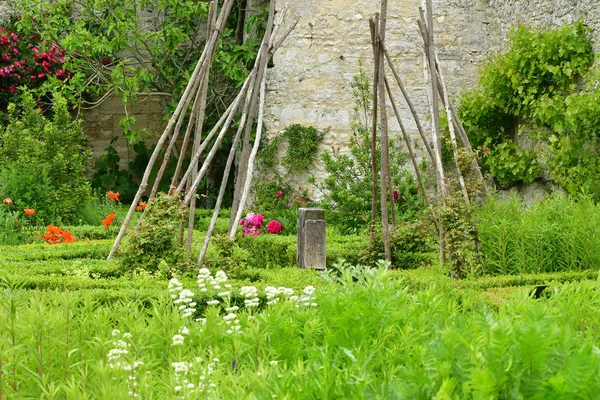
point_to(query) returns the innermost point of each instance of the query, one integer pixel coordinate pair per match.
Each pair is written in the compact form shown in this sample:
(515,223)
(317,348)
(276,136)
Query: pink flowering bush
(26,60)
(253,223)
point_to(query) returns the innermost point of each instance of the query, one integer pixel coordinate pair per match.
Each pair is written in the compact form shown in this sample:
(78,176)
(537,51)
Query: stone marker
(311,238)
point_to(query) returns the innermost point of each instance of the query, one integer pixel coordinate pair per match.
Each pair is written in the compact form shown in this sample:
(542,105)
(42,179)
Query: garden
(474,294)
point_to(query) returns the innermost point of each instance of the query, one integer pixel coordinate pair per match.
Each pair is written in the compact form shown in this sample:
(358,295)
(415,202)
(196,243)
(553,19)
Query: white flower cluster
(182,297)
(117,358)
(217,282)
(182,372)
(179,338)
(307,299)
(232,320)
(274,294)
(251,295)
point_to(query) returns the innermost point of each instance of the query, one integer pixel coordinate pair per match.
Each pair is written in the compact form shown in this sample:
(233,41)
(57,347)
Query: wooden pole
(385,143)
(410,105)
(180,108)
(411,153)
(446,102)
(200,124)
(247,183)
(374,23)
(226,172)
(435,118)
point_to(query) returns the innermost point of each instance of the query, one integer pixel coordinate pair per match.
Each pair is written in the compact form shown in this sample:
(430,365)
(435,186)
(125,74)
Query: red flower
(141,206)
(113,196)
(396,195)
(8,201)
(29,211)
(279,194)
(274,227)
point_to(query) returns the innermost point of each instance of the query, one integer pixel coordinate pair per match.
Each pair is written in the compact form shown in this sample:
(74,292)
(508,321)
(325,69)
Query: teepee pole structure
(181,107)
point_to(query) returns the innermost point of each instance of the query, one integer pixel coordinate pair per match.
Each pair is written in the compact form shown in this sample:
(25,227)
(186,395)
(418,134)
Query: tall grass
(557,234)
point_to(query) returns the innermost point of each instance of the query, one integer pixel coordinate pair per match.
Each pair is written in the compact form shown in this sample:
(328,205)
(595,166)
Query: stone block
(311,238)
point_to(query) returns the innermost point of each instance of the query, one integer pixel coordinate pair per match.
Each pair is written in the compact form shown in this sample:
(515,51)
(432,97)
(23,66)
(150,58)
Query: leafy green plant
(303,143)
(411,244)
(555,235)
(542,82)
(157,239)
(43,162)
(347,189)
(120,50)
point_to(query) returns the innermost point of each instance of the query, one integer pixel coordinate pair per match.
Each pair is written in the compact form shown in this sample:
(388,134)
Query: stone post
(311,238)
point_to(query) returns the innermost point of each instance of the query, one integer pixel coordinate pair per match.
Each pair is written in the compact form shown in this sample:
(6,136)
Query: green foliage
(303,143)
(558,234)
(278,174)
(119,49)
(264,193)
(43,163)
(411,243)
(369,336)
(157,240)
(108,175)
(537,82)
(347,189)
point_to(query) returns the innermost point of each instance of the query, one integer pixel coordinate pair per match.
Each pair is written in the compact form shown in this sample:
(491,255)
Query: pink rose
(279,194)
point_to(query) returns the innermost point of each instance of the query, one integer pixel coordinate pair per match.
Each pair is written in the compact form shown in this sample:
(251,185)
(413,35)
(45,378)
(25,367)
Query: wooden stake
(411,154)
(446,102)
(200,125)
(410,104)
(435,118)
(226,172)
(374,23)
(247,183)
(385,143)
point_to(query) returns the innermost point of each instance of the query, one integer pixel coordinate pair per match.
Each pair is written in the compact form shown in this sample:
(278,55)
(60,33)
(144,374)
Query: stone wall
(101,125)
(310,81)
(540,13)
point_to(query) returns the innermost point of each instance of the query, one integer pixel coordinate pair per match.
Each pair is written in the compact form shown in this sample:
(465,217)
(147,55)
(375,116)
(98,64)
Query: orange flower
(108,220)
(29,211)
(8,201)
(141,206)
(55,230)
(55,234)
(68,237)
(113,196)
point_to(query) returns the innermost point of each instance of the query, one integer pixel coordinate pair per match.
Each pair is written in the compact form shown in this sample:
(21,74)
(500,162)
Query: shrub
(43,162)
(535,113)
(27,61)
(412,246)
(157,239)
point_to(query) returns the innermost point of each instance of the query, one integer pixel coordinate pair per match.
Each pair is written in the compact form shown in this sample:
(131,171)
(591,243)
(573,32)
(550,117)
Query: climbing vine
(536,111)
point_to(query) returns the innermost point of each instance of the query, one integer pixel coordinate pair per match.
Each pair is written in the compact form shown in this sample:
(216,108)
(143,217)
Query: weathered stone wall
(310,82)
(101,125)
(505,14)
